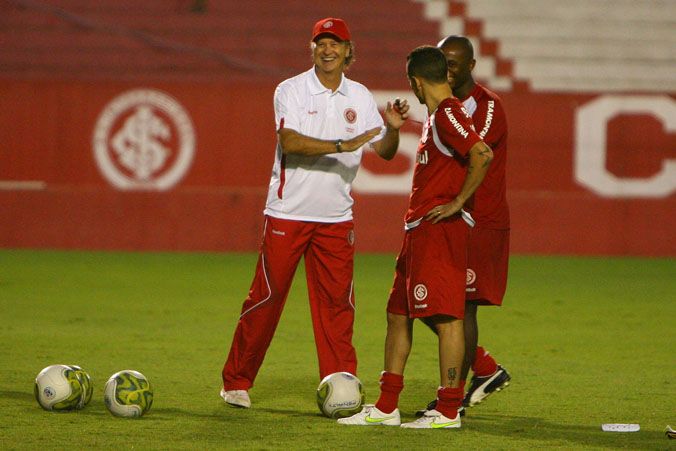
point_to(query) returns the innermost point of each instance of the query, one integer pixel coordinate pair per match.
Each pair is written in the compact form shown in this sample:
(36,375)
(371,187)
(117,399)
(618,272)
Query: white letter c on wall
(591,127)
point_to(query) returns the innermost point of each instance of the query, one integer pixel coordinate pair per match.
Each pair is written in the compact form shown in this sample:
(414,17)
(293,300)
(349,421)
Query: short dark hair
(463,41)
(427,62)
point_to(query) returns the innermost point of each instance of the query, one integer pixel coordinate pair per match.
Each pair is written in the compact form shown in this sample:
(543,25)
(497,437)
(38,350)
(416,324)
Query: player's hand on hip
(441,212)
(355,143)
(396,113)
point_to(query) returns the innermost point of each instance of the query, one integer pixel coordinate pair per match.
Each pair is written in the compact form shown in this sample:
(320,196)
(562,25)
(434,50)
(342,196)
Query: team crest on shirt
(350,115)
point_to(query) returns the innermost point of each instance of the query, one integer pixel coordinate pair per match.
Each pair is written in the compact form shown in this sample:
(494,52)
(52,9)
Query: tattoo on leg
(452,374)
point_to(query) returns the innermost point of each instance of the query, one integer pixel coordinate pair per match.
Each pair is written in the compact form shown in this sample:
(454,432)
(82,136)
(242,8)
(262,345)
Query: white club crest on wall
(144,140)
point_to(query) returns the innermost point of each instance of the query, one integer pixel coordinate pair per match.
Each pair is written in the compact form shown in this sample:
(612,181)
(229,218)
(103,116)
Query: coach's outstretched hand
(355,143)
(396,113)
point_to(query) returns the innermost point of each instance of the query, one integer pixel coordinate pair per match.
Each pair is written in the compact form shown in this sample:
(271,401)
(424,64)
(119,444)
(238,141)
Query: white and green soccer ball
(59,387)
(87,387)
(128,394)
(340,395)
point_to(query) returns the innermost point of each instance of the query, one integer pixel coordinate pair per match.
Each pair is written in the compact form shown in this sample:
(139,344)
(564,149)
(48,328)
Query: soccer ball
(59,387)
(340,395)
(128,394)
(87,387)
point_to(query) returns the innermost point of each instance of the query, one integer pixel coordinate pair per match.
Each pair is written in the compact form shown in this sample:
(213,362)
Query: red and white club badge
(143,140)
(420,292)
(471,276)
(350,115)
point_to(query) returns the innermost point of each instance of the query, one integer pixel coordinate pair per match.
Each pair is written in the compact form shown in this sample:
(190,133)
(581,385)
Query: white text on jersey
(489,119)
(456,124)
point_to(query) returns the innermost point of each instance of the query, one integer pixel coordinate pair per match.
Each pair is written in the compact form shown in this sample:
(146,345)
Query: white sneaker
(433,419)
(237,398)
(371,416)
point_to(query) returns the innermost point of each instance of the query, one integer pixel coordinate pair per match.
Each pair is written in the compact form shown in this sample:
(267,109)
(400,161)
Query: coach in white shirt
(324,120)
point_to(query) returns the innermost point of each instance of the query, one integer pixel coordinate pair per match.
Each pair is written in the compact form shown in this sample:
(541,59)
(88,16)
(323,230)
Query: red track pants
(329,255)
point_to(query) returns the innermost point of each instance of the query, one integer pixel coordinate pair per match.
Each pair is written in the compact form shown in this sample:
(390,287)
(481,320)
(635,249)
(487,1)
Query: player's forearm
(294,143)
(387,147)
(480,157)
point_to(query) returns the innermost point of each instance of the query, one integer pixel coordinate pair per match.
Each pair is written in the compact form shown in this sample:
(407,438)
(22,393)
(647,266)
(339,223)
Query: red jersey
(441,159)
(489,206)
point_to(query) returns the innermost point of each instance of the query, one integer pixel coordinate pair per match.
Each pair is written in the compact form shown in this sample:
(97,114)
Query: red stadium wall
(587,174)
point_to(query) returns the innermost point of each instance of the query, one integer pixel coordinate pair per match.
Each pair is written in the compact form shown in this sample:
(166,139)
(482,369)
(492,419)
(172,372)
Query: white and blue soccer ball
(128,394)
(340,395)
(59,387)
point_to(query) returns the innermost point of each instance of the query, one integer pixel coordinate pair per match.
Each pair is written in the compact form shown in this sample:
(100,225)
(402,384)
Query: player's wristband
(339,145)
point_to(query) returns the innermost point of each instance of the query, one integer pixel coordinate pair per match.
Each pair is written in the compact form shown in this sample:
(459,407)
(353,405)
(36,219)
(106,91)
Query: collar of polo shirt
(316,86)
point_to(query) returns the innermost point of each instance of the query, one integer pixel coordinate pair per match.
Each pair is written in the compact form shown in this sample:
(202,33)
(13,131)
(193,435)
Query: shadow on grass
(94,408)
(17,395)
(223,413)
(227,413)
(520,427)
(499,426)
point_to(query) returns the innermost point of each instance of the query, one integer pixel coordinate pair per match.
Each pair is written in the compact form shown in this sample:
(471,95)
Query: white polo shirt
(317,188)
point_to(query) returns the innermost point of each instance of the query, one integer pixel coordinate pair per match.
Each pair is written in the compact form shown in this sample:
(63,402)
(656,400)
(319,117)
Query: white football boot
(433,419)
(236,398)
(371,416)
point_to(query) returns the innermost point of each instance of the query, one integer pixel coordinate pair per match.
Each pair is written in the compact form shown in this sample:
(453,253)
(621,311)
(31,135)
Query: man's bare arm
(480,157)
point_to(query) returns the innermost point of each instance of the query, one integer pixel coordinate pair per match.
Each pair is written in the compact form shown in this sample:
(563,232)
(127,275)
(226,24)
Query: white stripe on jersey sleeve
(470,105)
(435,136)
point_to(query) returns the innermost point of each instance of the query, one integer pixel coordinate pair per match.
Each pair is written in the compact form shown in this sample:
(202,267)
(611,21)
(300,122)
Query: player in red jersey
(429,282)
(488,251)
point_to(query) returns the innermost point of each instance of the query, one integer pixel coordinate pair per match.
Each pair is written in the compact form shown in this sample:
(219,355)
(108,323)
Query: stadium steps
(494,70)
(650,11)
(577,45)
(268,39)
(584,48)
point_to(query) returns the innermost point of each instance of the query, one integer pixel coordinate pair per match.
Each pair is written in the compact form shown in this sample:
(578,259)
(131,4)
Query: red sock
(449,401)
(390,386)
(484,364)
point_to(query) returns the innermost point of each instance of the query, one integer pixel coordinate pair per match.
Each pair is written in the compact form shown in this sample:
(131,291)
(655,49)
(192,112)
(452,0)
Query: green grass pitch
(587,341)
